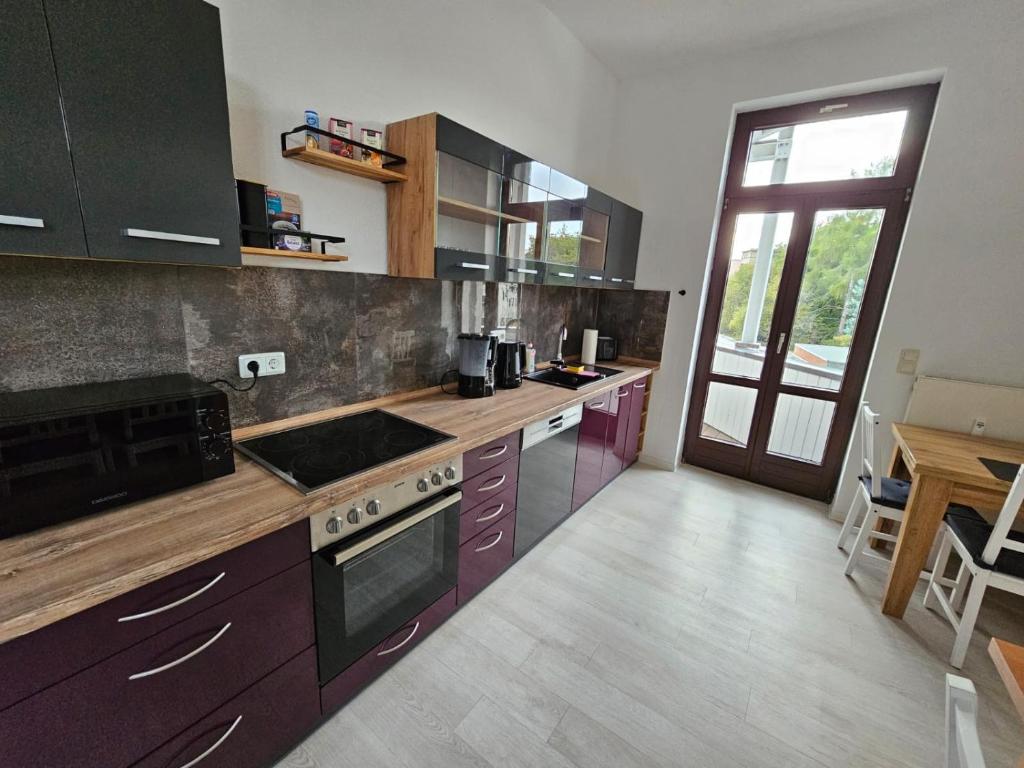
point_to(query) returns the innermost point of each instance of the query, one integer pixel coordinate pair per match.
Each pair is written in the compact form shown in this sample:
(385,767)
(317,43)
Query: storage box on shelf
(476,210)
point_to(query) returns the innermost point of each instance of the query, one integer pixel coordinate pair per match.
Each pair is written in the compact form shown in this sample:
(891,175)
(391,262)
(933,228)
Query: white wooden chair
(963,747)
(884,497)
(990,556)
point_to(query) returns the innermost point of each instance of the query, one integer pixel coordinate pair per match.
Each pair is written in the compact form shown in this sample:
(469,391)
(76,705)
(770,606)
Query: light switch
(908,361)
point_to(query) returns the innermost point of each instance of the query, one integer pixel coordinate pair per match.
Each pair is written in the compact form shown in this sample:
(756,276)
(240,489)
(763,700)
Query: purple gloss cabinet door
(590,450)
(615,437)
(636,412)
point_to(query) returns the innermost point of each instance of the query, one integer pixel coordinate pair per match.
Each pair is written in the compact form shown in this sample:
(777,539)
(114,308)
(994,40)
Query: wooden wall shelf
(447,206)
(282,254)
(344,164)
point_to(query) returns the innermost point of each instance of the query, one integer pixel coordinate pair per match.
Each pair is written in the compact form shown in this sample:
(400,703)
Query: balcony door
(815,205)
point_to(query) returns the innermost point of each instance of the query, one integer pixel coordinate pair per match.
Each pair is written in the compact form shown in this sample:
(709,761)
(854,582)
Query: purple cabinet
(490,455)
(484,556)
(482,516)
(36,661)
(590,450)
(253,729)
(346,685)
(117,711)
(636,413)
(490,483)
(615,435)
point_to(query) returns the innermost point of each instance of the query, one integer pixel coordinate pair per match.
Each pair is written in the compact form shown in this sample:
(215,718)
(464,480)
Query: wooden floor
(679,619)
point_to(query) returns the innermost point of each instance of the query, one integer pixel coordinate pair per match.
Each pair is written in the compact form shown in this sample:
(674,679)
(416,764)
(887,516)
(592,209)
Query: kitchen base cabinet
(252,730)
(635,422)
(343,688)
(481,517)
(117,711)
(485,556)
(590,451)
(615,436)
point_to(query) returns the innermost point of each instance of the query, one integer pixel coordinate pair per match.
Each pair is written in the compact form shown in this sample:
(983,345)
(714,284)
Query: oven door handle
(343,556)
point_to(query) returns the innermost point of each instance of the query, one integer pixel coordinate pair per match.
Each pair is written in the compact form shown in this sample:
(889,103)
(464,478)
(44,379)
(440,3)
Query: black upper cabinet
(146,108)
(39,211)
(623,245)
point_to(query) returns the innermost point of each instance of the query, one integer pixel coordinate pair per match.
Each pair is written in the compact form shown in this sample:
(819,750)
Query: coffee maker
(476,364)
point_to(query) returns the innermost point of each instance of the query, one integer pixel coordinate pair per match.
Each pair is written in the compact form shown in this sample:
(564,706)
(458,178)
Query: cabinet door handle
(215,746)
(176,603)
(524,270)
(405,642)
(566,274)
(639,385)
(599,406)
(595,277)
(616,279)
(492,486)
(497,511)
(622,394)
(183,659)
(21,221)
(494,455)
(472,265)
(494,543)
(149,234)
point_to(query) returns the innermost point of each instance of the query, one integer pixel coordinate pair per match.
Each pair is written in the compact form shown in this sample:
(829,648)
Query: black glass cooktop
(320,454)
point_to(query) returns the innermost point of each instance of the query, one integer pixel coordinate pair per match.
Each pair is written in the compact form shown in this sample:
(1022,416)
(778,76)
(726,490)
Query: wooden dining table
(943,467)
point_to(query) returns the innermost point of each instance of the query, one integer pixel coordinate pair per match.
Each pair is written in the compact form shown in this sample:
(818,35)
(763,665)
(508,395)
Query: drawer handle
(472,265)
(176,603)
(215,746)
(622,394)
(21,221)
(149,234)
(599,406)
(183,659)
(639,385)
(411,635)
(616,279)
(492,544)
(524,270)
(494,454)
(594,277)
(492,486)
(498,509)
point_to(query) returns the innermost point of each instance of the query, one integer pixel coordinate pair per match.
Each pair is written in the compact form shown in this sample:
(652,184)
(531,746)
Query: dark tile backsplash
(347,336)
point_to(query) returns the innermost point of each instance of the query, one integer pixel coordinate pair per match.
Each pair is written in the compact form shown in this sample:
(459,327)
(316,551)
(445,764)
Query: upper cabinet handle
(176,603)
(595,277)
(183,659)
(21,221)
(472,265)
(494,454)
(394,648)
(616,279)
(566,274)
(213,747)
(492,486)
(494,543)
(524,270)
(149,234)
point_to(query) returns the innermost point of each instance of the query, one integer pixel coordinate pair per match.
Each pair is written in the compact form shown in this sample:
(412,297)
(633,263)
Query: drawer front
(559,274)
(345,686)
(36,661)
(484,556)
(483,516)
(521,271)
(463,265)
(490,483)
(117,711)
(255,727)
(489,455)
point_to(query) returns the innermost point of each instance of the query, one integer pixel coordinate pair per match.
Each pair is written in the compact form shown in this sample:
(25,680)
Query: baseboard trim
(651,461)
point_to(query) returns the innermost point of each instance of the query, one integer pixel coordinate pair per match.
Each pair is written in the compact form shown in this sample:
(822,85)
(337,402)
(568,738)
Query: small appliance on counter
(607,348)
(477,354)
(68,452)
(511,364)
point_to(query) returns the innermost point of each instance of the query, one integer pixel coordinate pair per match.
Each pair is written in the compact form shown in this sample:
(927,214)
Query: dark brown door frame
(892,193)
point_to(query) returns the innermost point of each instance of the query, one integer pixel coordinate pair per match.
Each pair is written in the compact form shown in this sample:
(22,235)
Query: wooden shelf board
(345,164)
(458,209)
(282,254)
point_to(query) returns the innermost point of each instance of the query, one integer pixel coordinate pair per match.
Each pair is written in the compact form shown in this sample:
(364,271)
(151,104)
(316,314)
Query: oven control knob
(423,485)
(355,515)
(215,421)
(436,478)
(218,448)
(373,507)
(449,473)
(334,525)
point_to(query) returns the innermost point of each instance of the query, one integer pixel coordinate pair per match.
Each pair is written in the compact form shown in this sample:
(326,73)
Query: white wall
(511,71)
(958,291)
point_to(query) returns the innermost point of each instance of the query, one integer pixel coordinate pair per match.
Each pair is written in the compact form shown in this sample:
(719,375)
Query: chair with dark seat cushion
(990,556)
(894,492)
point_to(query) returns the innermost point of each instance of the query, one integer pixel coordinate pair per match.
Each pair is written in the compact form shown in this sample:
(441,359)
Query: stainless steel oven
(369,585)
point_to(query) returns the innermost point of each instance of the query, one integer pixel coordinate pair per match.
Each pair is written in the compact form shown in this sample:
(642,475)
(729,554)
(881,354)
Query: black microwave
(72,451)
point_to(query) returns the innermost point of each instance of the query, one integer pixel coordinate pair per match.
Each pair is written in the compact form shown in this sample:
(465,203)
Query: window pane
(800,428)
(728,413)
(755,267)
(827,150)
(831,293)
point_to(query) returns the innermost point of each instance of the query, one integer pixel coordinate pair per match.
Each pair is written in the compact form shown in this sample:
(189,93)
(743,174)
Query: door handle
(780,344)
(149,234)
(566,274)
(524,270)
(404,642)
(21,221)
(215,746)
(472,265)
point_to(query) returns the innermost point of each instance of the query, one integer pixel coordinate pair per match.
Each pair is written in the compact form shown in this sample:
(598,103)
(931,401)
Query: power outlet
(978,428)
(271,364)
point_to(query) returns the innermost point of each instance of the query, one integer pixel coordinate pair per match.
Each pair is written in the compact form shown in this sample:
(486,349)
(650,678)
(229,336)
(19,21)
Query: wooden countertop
(1009,661)
(53,573)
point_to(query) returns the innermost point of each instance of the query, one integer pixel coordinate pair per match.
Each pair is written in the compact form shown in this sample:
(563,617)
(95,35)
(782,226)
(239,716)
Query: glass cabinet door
(468,219)
(562,241)
(521,234)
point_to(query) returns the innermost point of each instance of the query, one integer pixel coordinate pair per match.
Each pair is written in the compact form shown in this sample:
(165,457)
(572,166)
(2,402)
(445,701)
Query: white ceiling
(634,37)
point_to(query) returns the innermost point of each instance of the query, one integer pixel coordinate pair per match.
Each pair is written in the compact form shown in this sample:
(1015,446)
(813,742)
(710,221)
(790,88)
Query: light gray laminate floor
(679,619)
